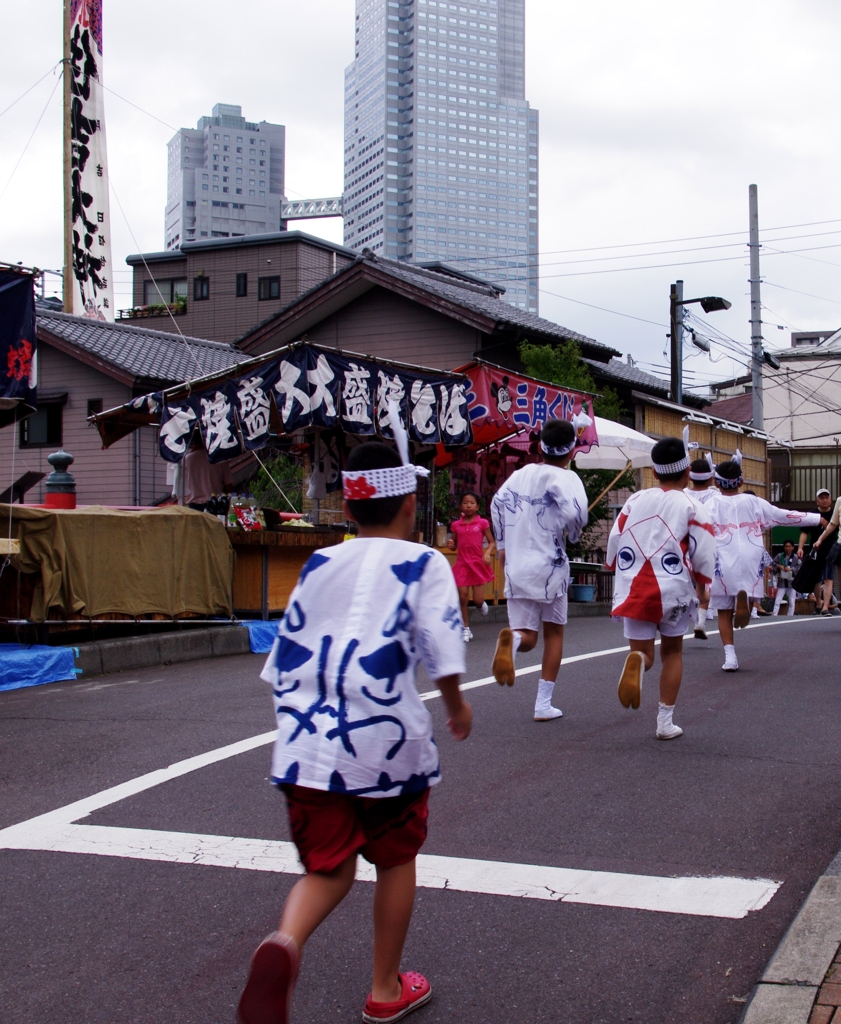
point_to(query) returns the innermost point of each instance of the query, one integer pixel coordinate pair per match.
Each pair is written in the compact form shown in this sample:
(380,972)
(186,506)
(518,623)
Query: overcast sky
(655,118)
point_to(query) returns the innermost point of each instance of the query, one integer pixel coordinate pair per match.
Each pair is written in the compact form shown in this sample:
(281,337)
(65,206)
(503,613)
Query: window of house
(268,288)
(43,428)
(242,285)
(94,406)
(201,288)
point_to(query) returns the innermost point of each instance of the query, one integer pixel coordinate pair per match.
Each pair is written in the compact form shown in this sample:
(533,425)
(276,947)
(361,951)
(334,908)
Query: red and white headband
(391,482)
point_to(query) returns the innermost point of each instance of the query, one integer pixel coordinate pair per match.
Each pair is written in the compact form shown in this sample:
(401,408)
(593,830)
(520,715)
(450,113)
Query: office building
(441,146)
(225,178)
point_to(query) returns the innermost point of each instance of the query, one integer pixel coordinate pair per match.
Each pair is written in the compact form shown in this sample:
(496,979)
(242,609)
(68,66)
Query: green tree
(282,471)
(563,365)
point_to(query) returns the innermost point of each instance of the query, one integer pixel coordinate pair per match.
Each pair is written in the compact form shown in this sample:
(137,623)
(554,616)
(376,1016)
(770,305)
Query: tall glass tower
(441,146)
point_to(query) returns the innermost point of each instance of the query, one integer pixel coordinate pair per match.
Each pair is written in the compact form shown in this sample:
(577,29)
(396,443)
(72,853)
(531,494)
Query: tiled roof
(143,353)
(737,409)
(482,299)
(633,376)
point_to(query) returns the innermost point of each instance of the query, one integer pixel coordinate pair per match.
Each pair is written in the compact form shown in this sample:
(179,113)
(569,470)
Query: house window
(242,285)
(94,406)
(201,288)
(268,288)
(165,291)
(43,428)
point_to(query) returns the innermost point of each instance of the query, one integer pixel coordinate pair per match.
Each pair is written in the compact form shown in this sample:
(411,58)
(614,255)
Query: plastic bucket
(583,591)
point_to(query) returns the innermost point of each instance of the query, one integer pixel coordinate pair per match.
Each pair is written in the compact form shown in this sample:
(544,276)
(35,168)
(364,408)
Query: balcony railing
(158,309)
(796,486)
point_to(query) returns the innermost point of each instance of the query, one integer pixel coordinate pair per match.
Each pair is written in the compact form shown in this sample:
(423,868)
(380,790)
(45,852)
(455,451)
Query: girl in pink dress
(474,565)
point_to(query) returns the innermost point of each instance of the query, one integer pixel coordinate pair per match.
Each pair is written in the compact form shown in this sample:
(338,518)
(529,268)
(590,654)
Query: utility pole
(755,312)
(676,328)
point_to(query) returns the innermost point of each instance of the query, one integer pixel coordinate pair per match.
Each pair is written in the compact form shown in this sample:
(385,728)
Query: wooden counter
(268,563)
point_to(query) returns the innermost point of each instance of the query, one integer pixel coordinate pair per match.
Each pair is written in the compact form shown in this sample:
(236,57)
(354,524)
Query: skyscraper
(225,178)
(441,146)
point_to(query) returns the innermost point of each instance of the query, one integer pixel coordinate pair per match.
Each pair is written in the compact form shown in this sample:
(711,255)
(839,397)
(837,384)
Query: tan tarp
(95,560)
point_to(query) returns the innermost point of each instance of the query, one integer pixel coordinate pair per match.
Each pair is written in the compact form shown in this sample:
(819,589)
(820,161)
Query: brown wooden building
(222,287)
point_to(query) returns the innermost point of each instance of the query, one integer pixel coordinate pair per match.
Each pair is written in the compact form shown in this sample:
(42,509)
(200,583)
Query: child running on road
(474,566)
(702,489)
(739,521)
(355,755)
(661,547)
(531,512)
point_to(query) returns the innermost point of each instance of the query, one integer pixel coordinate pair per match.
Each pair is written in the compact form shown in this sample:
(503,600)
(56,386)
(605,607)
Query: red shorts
(327,828)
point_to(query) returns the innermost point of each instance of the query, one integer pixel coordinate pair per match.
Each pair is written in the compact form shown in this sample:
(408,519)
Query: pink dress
(469,569)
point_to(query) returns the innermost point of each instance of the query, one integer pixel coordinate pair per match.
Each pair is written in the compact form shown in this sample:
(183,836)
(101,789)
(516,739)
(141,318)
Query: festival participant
(355,755)
(474,566)
(662,548)
(738,522)
(786,565)
(531,512)
(702,489)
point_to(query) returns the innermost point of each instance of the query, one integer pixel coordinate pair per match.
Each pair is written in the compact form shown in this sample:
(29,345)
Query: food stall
(317,402)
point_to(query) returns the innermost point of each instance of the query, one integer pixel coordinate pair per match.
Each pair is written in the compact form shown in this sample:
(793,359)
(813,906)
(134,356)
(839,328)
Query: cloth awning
(292,388)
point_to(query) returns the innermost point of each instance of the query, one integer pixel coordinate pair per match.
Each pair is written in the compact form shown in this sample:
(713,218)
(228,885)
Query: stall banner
(89,224)
(17,343)
(311,388)
(501,402)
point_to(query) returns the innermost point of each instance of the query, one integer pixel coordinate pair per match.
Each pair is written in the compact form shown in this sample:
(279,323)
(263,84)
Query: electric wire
(29,90)
(32,136)
(809,295)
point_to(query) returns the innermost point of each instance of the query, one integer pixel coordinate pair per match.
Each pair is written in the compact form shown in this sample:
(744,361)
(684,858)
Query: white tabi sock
(731,662)
(664,714)
(518,639)
(701,617)
(543,710)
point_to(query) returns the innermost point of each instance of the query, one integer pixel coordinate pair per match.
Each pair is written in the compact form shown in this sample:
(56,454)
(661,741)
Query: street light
(709,304)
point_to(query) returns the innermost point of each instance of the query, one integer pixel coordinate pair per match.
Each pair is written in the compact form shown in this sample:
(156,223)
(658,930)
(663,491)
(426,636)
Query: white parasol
(620,448)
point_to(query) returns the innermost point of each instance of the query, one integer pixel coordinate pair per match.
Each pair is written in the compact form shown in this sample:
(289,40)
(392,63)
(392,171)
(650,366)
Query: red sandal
(267,995)
(416,993)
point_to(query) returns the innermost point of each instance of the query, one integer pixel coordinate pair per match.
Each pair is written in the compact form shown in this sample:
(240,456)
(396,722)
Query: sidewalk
(802,982)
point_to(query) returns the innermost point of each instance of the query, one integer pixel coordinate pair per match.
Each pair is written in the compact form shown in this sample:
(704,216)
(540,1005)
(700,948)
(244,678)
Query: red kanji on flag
(20,361)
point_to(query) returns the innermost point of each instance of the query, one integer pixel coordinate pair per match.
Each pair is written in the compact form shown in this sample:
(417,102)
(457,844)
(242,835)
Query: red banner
(501,403)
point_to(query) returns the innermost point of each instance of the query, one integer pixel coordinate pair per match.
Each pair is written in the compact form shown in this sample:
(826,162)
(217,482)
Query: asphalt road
(751,790)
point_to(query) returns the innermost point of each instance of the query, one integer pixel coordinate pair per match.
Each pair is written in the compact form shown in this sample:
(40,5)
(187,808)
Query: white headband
(558,453)
(671,467)
(704,475)
(731,484)
(392,481)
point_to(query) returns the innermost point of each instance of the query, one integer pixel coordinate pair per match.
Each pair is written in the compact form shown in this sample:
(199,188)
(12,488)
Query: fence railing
(796,486)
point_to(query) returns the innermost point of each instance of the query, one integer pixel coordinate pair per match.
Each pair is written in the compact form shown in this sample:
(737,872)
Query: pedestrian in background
(786,564)
(534,511)
(474,563)
(823,592)
(662,548)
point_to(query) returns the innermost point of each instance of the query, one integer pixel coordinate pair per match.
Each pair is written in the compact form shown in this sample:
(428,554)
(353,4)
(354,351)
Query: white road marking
(56,830)
(703,897)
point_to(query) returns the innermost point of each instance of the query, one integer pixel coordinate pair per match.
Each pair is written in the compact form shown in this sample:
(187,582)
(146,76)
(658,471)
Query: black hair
(788,542)
(472,494)
(557,434)
(374,511)
(730,470)
(700,466)
(666,452)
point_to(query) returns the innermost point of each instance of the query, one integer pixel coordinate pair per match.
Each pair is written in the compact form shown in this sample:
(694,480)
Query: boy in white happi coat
(532,512)
(355,755)
(739,521)
(661,546)
(702,489)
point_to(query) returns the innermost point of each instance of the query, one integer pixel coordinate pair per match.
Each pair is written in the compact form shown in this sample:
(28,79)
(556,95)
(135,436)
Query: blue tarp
(22,665)
(261,636)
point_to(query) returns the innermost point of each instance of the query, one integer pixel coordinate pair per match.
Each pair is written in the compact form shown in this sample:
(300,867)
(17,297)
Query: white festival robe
(660,545)
(531,512)
(739,522)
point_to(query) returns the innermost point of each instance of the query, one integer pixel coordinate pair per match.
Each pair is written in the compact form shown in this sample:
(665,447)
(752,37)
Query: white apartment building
(441,146)
(225,178)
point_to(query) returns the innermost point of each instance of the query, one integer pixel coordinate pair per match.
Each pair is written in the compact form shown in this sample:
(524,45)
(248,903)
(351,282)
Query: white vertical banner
(90,222)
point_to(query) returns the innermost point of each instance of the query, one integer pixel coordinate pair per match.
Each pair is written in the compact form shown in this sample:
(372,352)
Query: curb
(786,992)
(105,656)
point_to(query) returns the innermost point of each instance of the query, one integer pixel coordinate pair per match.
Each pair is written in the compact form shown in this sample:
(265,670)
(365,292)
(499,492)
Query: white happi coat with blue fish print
(361,617)
(533,513)
(660,545)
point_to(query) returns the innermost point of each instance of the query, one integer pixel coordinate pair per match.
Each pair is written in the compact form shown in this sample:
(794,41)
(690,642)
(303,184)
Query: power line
(809,295)
(35,129)
(29,90)
(604,309)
